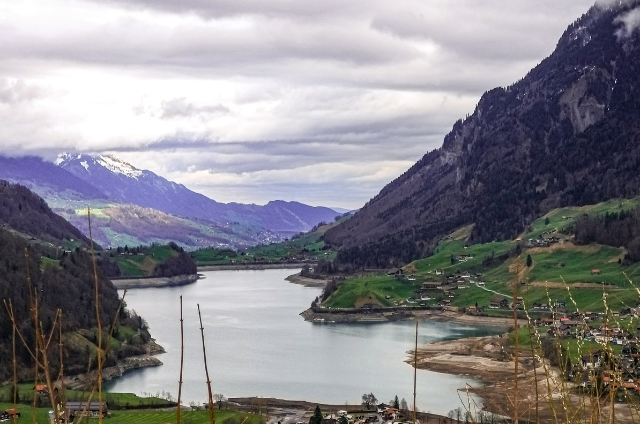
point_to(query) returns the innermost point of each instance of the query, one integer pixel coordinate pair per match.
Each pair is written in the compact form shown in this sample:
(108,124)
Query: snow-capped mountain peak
(118,166)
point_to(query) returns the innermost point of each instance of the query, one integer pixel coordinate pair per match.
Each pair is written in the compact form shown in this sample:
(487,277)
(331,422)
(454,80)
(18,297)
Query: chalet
(395,271)
(391,413)
(12,412)
(430,285)
(592,360)
(499,302)
(382,407)
(77,409)
(595,272)
(439,272)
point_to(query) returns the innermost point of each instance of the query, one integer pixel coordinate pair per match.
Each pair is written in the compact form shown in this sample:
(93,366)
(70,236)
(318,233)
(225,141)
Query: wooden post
(212,414)
(415,373)
(181,360)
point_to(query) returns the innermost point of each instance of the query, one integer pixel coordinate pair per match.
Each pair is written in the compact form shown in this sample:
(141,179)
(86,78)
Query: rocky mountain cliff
(568,133)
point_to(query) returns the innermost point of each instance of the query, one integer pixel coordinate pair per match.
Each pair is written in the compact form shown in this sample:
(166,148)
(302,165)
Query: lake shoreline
(154,282)
(306,281)
(396,314)
(247,266)
(86,380)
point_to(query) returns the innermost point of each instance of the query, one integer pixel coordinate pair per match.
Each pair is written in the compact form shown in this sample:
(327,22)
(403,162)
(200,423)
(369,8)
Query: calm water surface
(258,345)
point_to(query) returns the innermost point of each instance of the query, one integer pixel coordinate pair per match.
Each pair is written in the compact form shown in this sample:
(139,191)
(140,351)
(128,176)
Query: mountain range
(134,206)
(568,133)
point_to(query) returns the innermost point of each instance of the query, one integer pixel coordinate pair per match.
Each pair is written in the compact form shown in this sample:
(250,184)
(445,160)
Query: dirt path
(493,291)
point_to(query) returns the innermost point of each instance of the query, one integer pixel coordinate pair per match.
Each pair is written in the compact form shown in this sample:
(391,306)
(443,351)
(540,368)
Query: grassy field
(188,417)
(145,416)
(114,400)
(380,289)
(557,273)
(308,245)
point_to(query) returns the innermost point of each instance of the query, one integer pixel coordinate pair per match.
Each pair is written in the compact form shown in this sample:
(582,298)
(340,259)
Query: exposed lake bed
(257,345)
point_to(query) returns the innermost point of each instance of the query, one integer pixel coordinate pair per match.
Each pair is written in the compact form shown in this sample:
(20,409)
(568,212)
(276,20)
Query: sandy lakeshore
(307,282)
(490,360)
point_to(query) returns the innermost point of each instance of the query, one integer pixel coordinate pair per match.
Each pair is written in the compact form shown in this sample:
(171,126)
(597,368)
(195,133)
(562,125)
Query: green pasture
(375,288)
(144,416)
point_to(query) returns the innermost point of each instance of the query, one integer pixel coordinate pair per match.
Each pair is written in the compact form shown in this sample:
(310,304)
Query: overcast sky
(322,102)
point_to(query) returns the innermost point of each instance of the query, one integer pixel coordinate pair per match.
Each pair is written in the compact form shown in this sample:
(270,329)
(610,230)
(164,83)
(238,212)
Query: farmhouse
(499,302)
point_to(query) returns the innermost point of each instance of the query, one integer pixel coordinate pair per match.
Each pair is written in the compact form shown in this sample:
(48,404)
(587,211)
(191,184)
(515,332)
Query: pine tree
(316,418)
(396,403)
(529,261)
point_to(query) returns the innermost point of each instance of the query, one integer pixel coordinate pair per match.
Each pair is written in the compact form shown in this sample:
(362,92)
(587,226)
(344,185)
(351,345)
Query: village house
(499,302)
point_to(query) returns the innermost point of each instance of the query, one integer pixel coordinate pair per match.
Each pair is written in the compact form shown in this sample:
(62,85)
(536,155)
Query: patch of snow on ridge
(117,166)
(63,157)
(85,165)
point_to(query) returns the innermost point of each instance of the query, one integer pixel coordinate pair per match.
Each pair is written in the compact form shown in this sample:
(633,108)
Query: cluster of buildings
(384,414)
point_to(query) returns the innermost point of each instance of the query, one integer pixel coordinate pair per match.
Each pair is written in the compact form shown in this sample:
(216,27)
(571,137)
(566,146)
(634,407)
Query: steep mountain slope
(27,213)
(47,179)
(566,134)
(122,182)
(125,183)
(62,279)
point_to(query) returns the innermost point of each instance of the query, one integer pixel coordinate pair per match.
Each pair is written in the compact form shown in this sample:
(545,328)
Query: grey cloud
(482,33)
(180,108)
(630,23)
(226,8)
(12,92)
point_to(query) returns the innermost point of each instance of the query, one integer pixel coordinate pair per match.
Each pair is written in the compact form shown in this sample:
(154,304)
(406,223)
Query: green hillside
(560,271)
(148,261)
(308,246)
